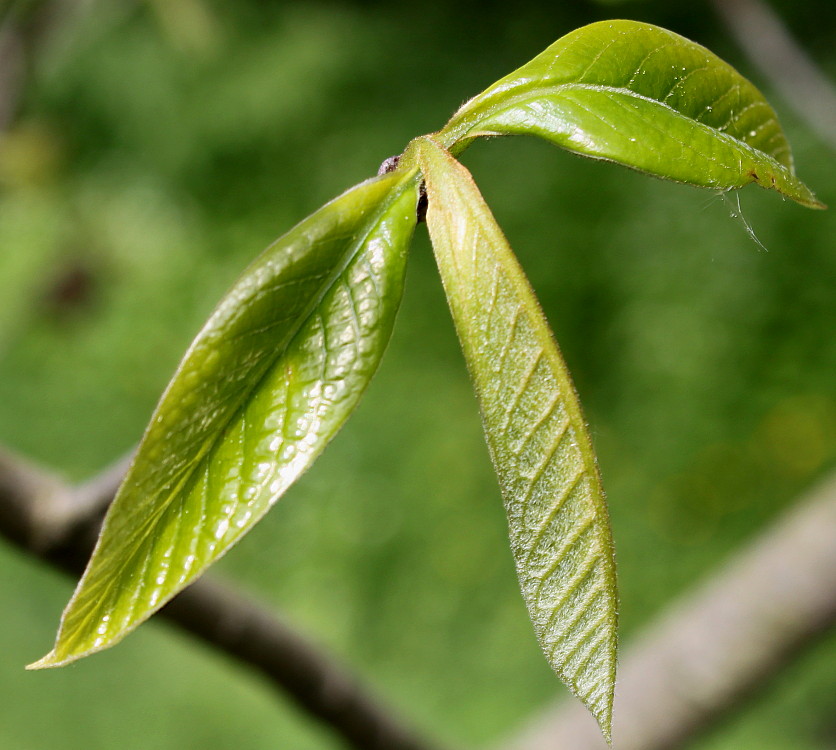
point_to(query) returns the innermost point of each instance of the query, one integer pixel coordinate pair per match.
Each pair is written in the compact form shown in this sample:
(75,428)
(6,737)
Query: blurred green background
(159,145)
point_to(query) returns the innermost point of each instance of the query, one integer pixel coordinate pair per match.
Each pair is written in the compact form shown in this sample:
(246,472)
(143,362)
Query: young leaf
(646,98)
(272,376)
(536,433)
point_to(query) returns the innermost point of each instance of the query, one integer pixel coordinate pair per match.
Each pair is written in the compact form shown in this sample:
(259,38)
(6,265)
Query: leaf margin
(473,120)
(425,149)
(402,186)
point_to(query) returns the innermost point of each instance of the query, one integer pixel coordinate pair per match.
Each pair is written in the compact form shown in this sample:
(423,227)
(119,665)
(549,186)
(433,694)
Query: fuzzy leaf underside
(271,377)
(538,440)
(643,97)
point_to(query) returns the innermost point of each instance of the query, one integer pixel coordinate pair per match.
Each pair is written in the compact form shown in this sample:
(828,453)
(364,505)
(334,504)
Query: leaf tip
(601,708)
(604,719)
(787,184)
(802,195)
(47,662)
(62,655)
(56,658)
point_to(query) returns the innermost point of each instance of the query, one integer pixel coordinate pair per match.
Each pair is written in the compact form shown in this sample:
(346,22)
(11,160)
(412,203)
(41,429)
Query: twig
(43,516)
(782,61)
(93,497)
(719,643)
(684,674)
(253,636)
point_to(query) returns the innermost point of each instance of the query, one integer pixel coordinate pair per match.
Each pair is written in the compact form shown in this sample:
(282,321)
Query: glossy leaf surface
(646,98)
(536,433)
(272,376)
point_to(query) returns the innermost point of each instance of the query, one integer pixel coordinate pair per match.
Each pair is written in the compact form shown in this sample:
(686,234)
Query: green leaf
(269,380)
(536,433)
(646,98)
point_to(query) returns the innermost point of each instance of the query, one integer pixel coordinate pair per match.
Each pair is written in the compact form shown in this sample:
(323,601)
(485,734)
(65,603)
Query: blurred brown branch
(50,520)
(683,675)
(719,643)
(783,62)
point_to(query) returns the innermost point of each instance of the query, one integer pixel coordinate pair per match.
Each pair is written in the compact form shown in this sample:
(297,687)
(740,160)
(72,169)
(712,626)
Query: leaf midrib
(327,284)
(457,259)
(189,472)
(529,91)
(512,269)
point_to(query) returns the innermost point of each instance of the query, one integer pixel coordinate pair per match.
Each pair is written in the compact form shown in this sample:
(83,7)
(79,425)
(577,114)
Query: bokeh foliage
(160,146)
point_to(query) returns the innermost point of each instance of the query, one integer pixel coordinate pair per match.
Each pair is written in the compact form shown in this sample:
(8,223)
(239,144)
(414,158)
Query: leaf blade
(536,434)
(643,97)
(268,381)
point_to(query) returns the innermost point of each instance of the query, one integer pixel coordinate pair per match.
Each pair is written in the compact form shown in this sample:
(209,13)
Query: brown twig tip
(389,165)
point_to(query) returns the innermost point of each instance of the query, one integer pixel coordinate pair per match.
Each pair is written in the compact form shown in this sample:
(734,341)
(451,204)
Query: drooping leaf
(536,433)
(644,97)
(274,373)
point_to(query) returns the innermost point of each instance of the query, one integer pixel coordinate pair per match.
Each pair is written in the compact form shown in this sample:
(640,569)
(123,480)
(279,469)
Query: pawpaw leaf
(644,97)
(536,433)
(271,377)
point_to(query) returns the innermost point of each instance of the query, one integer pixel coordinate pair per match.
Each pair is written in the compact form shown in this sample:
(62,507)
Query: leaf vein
(554,509)
(578,578)
(559,436)
(521,388)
